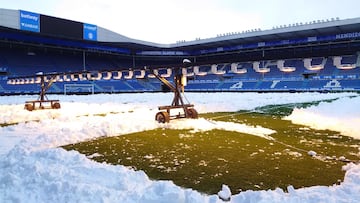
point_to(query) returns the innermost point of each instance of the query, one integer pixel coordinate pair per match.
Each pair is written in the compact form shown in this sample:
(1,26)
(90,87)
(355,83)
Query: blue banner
(90,32)
(29,21)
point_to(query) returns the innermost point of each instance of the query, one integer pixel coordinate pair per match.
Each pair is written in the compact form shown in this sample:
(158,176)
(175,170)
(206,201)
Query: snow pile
(76,122)
(348,191)
(32,169)
(67,129)
(55,175)
(230,102)
(342,115)
(312,153)
(225,193)
(202,124)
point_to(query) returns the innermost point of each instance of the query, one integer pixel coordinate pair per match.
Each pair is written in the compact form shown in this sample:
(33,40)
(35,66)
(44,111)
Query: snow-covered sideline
(337,116)
(34,169)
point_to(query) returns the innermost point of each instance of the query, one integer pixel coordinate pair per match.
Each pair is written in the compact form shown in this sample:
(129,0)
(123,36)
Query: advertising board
(90,32)
(29,21)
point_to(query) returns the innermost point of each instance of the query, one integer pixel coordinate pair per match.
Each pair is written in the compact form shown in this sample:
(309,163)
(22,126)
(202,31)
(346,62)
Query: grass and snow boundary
(32,169)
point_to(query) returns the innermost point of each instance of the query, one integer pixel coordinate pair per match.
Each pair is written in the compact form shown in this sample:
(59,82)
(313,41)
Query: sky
(169,21)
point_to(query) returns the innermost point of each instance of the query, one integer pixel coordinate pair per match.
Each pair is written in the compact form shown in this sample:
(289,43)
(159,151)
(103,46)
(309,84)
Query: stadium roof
(285,33)
(13,18)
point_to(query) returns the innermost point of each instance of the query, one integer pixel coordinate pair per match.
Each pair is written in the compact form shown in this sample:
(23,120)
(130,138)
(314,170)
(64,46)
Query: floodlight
(130,74)
(38,80)
(107,75)
(186,61)
(142,74)
(117,76)
(66,78)
(73,77)
(59,79)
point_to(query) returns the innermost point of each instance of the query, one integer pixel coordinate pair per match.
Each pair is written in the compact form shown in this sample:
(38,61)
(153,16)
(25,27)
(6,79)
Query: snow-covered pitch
(33,168)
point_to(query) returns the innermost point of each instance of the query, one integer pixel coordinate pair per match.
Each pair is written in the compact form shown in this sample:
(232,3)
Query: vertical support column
(84,61)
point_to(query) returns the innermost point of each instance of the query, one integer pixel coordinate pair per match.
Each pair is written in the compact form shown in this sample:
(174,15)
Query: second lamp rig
(186,110)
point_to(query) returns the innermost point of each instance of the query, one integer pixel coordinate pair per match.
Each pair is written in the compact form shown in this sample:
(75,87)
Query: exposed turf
(7,124)
(206,160)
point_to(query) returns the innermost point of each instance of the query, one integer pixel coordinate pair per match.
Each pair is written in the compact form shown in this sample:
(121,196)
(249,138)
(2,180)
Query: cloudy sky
(168,21)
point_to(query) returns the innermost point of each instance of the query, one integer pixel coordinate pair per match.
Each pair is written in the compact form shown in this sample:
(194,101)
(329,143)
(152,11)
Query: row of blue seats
(117,86)
(20,62)
(27,62)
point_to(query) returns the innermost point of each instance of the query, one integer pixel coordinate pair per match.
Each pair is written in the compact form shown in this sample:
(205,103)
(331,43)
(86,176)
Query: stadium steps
(56,88)
(147,85)
(127,84)
(219,85)
(258,84)
(97,87)
(358,60)
(305,84)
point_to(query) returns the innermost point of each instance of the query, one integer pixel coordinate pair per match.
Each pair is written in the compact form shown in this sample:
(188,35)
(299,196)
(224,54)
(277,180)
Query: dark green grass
(206,160)
(7,124)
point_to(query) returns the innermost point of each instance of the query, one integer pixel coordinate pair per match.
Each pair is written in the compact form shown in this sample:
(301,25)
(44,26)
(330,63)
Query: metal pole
(134,62)
(84,61)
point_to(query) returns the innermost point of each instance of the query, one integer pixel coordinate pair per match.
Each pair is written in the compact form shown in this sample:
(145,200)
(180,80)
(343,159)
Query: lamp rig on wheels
(186,110)
(42,101)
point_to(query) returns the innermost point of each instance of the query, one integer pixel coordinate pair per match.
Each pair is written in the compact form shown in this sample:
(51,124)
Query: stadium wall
(10,18)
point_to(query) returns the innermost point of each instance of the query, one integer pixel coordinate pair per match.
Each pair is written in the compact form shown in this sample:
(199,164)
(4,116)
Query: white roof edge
(271,31)
(106,35)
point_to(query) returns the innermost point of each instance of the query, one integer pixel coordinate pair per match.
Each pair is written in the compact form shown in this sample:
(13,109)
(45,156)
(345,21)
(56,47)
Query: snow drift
(33,169)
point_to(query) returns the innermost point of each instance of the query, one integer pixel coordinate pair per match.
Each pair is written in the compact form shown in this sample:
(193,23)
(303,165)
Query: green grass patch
(206,160)
(286,109)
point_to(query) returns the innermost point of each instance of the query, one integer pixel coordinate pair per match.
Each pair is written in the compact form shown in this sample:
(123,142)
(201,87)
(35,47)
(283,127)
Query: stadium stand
(281,59)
